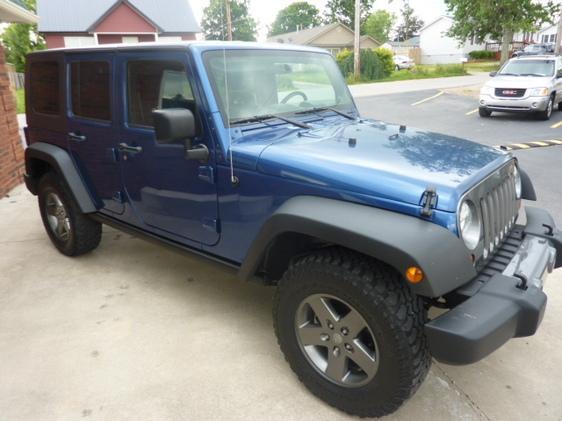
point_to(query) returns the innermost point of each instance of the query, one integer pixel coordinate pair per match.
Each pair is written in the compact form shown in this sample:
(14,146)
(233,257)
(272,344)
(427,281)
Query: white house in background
(439,48)
(547,35)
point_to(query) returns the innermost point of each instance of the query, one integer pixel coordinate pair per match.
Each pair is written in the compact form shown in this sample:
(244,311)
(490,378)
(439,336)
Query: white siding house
(439,48)
(547,35)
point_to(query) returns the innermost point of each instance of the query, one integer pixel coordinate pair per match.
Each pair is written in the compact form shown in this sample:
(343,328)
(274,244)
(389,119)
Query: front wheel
(483,112)
(352,331)
(546,114)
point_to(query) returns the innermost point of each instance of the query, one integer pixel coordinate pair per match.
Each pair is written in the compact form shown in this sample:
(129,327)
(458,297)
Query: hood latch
(428,201)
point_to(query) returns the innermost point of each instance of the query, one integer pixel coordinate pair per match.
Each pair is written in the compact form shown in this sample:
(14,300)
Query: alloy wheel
(336,340)
(57,217)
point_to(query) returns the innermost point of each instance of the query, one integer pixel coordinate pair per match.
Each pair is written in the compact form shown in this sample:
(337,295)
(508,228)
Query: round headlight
(518,184)
(469,224)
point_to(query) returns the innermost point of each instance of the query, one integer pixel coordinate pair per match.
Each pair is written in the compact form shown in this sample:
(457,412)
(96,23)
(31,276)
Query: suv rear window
(44,80)
(157,85)
(90,86)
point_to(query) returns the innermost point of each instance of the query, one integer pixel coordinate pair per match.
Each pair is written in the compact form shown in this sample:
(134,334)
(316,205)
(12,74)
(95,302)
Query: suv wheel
(72,232)
(352,331)
(483,112)
(546,114)
(560,106)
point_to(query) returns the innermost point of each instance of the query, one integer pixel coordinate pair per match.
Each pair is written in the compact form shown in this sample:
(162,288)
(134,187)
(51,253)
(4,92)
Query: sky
(264,11)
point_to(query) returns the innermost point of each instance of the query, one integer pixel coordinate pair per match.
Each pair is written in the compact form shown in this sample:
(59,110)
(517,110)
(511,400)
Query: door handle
(77,137)
(123,147)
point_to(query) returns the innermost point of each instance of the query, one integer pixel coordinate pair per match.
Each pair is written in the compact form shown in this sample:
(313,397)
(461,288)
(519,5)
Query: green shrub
(482,55)
(374,65)
(387,59)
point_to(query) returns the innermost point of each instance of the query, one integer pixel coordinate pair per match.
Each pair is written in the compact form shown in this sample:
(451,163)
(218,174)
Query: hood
(374,159)
(519,82)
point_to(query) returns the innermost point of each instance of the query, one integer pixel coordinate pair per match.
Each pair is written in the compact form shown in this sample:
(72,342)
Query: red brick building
(11,150)
(77,23)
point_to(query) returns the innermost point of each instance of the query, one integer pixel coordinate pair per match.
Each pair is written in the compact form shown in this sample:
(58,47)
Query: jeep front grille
(499,212)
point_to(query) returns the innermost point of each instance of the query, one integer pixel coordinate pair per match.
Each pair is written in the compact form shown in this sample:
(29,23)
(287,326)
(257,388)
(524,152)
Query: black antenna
(233,179)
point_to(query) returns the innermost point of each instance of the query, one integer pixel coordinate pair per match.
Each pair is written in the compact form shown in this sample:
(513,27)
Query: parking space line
(530,145)
(472,112)
(557,125)
(428,99)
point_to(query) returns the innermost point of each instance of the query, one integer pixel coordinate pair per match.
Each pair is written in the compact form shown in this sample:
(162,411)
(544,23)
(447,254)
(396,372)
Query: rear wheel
(560,106)
(72,232)
(484,112)
(352,332)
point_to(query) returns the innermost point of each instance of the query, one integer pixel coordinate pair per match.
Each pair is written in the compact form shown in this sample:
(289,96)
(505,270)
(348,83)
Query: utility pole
(357,41)
(559,36)
(228,19)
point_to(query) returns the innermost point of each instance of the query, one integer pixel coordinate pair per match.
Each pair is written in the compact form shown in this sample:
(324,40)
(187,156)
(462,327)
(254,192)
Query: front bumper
(528,105)
(510,303)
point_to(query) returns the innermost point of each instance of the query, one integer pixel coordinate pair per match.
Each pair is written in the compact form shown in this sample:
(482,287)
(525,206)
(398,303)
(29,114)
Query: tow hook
(523,284)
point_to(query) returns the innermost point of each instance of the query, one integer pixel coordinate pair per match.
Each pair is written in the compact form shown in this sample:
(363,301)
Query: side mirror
(178,124)
(173,125)
(493,74)
(559,74)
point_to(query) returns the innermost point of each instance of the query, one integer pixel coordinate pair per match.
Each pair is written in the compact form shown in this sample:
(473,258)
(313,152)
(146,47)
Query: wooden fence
(17,80)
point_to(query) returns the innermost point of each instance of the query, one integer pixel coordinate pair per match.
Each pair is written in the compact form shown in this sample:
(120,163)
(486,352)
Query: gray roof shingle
(80,15)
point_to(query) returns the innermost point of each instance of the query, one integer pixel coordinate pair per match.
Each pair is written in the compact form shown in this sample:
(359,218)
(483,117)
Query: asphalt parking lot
(133,331)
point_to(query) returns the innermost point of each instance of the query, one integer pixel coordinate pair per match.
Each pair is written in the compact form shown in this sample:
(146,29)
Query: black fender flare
(399,240)
(61,161)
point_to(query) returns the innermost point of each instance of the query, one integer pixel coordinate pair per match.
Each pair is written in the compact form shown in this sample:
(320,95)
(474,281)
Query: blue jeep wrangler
(255,156)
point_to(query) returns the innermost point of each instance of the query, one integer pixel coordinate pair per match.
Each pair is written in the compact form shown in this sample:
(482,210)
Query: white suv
(530,84)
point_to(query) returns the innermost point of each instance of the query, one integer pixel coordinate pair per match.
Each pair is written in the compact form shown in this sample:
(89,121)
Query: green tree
(244,26)
(410,25)
(499,19)
(296,16)
(20,39)
(379,24)
(343,11)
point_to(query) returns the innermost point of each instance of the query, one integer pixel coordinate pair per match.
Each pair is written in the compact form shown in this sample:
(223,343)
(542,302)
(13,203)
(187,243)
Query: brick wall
(11,151)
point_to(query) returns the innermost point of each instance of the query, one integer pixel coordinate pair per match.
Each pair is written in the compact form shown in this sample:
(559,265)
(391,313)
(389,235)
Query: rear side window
(45,84)
(156,85)
(90,86)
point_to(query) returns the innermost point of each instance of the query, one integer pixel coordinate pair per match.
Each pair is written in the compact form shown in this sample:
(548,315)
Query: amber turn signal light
(414,275)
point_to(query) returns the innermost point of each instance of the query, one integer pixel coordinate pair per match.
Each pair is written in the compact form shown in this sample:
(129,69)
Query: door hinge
(212,224)
(119,197)
(207,174)
(428,201)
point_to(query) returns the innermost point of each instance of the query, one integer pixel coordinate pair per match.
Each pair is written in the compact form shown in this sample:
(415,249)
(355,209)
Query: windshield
(529,67)
(262,82)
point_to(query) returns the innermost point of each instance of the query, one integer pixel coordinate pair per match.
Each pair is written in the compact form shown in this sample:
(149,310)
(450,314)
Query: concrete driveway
(133,331)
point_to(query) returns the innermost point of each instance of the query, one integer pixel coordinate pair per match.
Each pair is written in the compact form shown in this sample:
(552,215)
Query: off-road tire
(483,112)
(547,114)
(84,234)
(392,312)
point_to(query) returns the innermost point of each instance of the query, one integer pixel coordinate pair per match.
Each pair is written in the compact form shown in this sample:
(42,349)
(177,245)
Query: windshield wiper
(509,74)
(532,74)
(320,109)
(262,118)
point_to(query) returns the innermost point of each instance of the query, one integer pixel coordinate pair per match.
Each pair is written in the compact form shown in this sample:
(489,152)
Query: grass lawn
(431,71)
(20,101)
(420,72)
(483,66)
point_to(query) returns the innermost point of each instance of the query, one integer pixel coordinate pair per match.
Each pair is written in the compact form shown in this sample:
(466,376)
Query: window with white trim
(72,42)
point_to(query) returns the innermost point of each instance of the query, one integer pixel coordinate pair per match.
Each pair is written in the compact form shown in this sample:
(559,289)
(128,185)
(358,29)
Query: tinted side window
(44,82)
(90,86)
(156,85)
